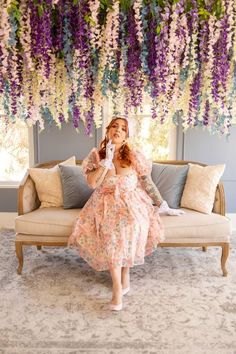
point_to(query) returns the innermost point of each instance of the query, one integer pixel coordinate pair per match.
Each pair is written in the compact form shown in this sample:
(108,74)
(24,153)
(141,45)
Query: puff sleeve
(91,162)
(141,164)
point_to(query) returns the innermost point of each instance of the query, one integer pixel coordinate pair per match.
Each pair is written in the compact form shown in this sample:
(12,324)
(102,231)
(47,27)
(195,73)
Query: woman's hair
(124,154)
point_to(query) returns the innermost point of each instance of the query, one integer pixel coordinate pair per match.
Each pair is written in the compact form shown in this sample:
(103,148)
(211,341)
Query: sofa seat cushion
(196,227)
(191,227)
(47,222)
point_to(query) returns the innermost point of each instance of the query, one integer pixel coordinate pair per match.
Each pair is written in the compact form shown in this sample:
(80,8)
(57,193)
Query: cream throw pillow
(200,187)
(48,184)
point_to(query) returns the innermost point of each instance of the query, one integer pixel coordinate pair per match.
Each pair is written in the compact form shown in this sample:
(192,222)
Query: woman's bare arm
(95,178)
(151,189)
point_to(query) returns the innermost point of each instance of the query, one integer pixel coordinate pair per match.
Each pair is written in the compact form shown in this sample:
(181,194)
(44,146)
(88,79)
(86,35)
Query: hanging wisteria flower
(223,61)
(5,30)
(95,26)
(65,59)
(138,20)
(25,36)
(133,75)
(176,35)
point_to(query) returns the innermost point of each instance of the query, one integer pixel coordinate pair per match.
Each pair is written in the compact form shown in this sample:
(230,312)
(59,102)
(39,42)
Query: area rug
(179,303)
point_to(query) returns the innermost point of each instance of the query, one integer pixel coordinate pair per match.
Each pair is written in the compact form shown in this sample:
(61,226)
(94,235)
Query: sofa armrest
(27,196)
(219,203)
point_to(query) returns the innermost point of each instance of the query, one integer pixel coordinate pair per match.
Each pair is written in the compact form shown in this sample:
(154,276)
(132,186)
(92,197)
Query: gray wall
(196,144)
(59,144)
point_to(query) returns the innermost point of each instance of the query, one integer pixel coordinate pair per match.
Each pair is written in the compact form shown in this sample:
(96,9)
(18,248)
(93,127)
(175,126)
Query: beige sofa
(52,226)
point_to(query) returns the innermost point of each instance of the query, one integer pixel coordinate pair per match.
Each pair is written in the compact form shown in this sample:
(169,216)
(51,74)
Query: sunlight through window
(14,151)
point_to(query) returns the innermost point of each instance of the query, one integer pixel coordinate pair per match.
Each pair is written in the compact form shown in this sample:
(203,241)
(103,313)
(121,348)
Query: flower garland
(61,60)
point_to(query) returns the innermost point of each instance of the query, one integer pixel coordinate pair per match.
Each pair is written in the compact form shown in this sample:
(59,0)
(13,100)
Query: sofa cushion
(47,221)
(200,188)
(48,184)
(196,227)
(74,185)
(191,227)
(170,181)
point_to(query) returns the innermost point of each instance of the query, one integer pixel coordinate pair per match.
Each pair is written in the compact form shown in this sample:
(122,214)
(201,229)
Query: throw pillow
(170,181)
(75,189)
(48,184)
(200,187)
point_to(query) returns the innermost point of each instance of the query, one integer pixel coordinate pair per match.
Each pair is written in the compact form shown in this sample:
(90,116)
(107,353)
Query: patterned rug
(179,303)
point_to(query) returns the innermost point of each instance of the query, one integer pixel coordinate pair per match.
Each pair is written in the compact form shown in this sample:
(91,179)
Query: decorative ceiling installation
(62,59)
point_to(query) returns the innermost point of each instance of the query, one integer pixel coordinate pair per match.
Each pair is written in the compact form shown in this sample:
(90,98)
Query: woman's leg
(116,285)
(125,277)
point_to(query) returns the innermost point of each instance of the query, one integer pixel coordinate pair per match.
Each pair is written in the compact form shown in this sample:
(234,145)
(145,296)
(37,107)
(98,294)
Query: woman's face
(117,132)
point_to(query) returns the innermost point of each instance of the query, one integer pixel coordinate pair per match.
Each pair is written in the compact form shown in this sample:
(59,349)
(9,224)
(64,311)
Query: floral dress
(118,226)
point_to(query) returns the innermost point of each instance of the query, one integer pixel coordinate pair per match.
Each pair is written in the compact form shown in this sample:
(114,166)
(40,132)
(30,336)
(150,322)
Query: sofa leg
(39,248)
(224,256)
(204,248)
(19,253)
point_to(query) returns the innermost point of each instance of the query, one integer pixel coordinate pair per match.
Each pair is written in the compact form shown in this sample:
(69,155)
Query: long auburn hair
(124,154)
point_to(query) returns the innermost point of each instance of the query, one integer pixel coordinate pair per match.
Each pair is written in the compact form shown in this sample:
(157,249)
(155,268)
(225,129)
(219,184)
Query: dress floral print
(118,226)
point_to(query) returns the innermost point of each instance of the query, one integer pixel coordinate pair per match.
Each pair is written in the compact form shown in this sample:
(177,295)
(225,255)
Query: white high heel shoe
(115,307)
(126,290)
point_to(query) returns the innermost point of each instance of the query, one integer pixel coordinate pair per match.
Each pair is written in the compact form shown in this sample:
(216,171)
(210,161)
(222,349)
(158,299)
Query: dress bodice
(119,184)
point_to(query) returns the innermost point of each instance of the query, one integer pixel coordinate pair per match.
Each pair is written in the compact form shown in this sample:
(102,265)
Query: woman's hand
(164,209)
(107,162)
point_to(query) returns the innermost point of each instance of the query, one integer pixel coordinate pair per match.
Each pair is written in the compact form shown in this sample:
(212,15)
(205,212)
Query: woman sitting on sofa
(119,225)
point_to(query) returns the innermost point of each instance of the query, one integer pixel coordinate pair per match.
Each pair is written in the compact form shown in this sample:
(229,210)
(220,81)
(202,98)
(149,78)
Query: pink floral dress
(118,226)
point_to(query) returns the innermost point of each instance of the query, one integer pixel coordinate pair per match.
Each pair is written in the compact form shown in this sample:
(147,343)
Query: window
(156,141)
(14,151)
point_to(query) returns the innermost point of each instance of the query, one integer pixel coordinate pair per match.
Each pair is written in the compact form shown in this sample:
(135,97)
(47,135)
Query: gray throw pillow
(76,192)
(170,180)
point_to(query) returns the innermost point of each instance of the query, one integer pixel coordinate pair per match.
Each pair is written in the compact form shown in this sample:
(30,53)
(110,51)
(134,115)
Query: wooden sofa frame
(39,241)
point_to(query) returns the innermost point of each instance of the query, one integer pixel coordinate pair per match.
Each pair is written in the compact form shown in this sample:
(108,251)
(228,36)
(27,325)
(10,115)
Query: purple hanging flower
(133,76)
(157,60)
(41,37)
(12,82)
(163,53)
(206,113)
(80,32)
(221,62)
(1,74)
(81,35)
(195,97)
(224,63)
(89,120)
(203,41)
(47,47)
(152,54)
(215,74)
(61,118)
(76,116)
(202,57)
(57,39)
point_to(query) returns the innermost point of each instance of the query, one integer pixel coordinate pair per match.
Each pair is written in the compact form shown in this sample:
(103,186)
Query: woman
(118,226)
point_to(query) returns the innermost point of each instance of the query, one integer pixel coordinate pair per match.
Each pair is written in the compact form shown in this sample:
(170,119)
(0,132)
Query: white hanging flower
(5,29)
(138,21)
(95,27)
(187,39)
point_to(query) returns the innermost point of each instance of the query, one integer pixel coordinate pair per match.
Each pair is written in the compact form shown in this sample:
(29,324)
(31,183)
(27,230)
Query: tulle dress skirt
(118,226)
